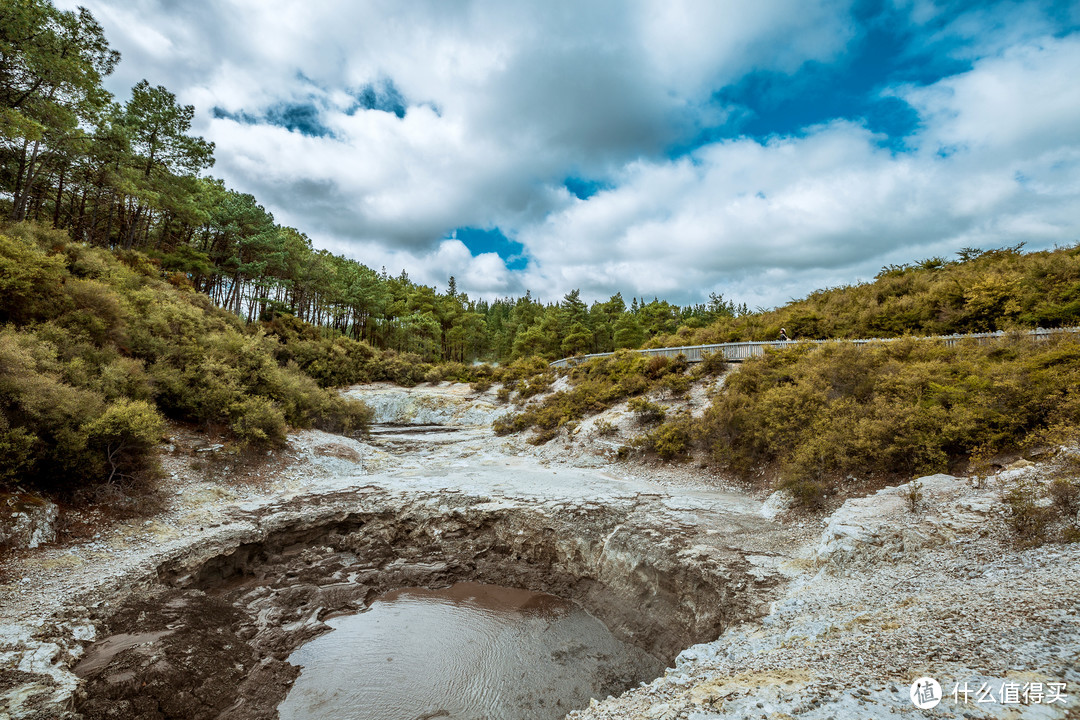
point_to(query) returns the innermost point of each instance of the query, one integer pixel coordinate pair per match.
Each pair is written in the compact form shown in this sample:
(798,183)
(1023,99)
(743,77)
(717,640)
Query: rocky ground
(816,617)
(887,596)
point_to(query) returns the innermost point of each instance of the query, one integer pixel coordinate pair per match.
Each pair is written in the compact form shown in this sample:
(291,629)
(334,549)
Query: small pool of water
(467,652)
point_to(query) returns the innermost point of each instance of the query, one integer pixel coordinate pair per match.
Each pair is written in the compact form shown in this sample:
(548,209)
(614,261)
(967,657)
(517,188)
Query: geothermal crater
(203,624)
(215,634)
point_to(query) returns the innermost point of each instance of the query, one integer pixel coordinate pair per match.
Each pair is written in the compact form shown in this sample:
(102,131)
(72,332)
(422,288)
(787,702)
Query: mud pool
(212,615)
(465,652)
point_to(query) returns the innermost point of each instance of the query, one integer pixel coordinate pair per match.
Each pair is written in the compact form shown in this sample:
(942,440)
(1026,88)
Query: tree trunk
(227,302)
(108,227)
(22,193)
(78,220)
(19,178)
(59,199)
(132,227)
(164,231)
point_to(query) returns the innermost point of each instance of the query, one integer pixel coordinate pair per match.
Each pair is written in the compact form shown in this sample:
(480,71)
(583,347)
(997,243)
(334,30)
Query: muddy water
(465,652)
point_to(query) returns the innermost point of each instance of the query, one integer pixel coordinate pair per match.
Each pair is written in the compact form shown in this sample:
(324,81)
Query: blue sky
(674,149)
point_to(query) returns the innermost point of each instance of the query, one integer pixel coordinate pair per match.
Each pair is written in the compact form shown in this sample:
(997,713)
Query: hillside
(96,352)
(821,421)
(979,291)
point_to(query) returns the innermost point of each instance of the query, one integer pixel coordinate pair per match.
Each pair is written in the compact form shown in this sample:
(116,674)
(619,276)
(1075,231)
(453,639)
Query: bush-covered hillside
(978,292)
(812,418)
(816,416)
(96,350)
(599,384)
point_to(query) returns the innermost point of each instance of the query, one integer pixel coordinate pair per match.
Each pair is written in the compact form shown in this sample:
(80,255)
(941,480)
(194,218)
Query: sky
(658,148)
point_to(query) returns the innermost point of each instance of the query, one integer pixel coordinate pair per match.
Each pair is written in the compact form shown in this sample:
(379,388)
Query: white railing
(739,351)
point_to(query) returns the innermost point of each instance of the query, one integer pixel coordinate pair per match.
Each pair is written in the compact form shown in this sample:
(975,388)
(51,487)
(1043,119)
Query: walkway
(739,351)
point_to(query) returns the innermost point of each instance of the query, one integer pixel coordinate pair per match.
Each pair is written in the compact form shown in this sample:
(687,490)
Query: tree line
(131,175)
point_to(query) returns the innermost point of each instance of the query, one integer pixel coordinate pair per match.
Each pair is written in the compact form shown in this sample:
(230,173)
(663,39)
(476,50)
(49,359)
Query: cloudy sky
(655,147)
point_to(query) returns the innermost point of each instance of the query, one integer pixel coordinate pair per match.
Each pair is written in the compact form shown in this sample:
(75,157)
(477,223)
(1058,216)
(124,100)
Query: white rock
(778,502)
(32,522)
(86,633)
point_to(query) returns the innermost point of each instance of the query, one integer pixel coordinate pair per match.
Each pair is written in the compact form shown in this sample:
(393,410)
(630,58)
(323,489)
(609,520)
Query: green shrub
(123,437)
(344,416)
(1046,512)
(977,292)
(331,361)
(30,281)
(612,369)
(542,435)
(1029,520)
(670,441)
(521,369)
(808,492)
(597,384)
(16,452)
(711,365)
(646,412)
(120,377)
(405,369)
(259,423)
(460,372)
(511,423)
(657,366)
(891,410)
(675,385)
(914,496)
(631,385)
(605,428)
(1065,494)
(98,347)
(535,385)
(58,437)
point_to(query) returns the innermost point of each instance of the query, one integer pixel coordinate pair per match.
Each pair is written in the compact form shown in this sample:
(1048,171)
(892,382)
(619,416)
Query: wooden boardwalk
(739,351)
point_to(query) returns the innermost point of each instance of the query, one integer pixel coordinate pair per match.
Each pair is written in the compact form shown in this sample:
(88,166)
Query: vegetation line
(739,351)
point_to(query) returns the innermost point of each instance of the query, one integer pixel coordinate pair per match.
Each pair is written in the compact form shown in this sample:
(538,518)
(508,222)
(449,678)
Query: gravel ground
(885,597)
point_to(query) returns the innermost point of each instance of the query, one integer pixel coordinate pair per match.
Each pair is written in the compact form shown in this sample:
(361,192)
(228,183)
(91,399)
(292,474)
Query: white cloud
(984,29)
(832,204)
(509,98)
(698,46)
(563,82)
(1022,102)
(485,275)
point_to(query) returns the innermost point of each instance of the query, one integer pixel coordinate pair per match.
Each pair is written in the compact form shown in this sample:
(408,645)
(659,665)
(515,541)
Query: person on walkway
(783,335)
